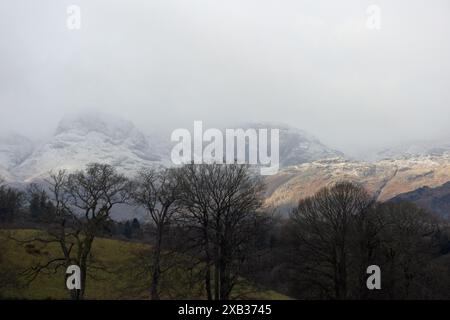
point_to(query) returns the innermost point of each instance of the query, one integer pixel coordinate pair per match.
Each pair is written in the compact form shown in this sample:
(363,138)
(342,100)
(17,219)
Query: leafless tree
(407,245)
(82,202)
(157,192)
(337,233)
(92,194)
(220,204)
(323,228)
(62,228)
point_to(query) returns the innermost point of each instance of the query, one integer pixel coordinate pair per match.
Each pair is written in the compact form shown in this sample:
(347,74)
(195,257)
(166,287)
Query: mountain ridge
(384,179)
(306,164)
(92,137)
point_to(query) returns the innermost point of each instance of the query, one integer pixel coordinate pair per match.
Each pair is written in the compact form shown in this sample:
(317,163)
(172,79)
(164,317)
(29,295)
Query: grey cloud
(311,64)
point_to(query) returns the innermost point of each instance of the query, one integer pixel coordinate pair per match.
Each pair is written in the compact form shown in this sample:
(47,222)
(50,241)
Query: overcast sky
(312,64)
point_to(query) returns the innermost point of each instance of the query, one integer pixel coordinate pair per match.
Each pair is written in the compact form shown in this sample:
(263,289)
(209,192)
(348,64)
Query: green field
(120,272)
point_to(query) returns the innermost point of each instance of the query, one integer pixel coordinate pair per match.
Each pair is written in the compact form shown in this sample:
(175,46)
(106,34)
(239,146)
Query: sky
(313,64)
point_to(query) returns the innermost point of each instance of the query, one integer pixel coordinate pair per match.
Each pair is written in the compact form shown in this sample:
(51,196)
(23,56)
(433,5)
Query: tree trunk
(87,244)
(156,266)
(208,262)
(208,281)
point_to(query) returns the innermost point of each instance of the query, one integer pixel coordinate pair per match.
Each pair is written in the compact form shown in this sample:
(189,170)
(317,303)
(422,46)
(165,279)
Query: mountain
(416,149)
(306,164)
(296,146)
(383,179)
(435,200)
(5,175)
(14,149)
(86,138)
(92,137)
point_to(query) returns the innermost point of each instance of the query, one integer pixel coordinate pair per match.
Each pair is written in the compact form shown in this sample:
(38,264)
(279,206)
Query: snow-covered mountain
(90,137)
(306,163)
(415,149)
(296,146)
(86,138)
(383,179)
(14,149)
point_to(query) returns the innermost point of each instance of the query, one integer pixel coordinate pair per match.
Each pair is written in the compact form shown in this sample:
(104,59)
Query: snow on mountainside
(306,164)
(14,149)
(421,148)
(296,146)
(161,145)
(383,179)
(5,175)
(87,138)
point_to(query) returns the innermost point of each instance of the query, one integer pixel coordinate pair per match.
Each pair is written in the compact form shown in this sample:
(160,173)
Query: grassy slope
(121,279)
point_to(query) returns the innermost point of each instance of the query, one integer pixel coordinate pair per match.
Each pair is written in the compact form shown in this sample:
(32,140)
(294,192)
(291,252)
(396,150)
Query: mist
(163,64)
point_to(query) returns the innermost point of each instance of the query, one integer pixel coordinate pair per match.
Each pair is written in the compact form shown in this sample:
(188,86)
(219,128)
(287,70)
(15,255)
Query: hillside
(384,179)
(435,200)
(119,273)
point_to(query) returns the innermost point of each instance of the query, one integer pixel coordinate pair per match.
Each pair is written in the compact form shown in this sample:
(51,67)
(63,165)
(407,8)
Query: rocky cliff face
(384,179)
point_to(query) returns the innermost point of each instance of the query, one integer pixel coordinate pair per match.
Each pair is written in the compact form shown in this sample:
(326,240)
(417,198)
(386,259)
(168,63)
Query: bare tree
(337,233)
(157,192)
(92,194)
(220,204)
(407,245)
(62,228)
(323,228)
(82,205)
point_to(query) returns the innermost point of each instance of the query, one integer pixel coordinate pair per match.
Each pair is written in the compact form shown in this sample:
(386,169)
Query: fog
(163,64)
